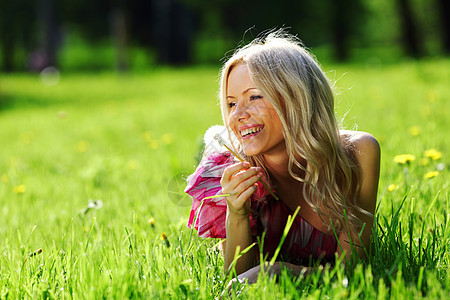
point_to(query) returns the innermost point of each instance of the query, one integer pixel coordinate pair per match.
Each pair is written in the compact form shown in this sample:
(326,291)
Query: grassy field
(86,166)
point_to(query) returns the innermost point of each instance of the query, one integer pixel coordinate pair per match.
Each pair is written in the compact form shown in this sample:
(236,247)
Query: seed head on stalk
(31,254)
(218,137)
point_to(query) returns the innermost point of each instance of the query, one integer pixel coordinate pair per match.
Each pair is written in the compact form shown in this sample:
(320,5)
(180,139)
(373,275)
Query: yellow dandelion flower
(167,138)
(147,136)
(404,158)
(82,146)
(414,130)
(5,178)
(25,138)
(19,189)
(132,164)
(151,221)
(154,144)
(165,239)
(431,174)
(424,161)
(433,154)
(391,187)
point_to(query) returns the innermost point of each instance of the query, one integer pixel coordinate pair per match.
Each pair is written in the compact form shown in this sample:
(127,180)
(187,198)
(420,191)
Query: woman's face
(252,117)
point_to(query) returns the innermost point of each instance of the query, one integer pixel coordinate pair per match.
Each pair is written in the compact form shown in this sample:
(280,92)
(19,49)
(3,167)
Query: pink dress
(304,243)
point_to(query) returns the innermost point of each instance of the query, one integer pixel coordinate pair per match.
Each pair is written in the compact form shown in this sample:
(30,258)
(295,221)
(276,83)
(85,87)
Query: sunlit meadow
(90,168)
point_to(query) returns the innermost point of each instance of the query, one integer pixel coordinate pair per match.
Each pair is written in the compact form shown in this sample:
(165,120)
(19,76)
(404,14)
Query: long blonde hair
(292,80)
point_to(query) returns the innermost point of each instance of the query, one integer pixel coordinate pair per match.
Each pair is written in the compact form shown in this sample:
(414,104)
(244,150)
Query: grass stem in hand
(222,143)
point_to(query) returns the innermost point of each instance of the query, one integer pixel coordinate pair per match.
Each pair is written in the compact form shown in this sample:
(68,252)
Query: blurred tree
(119,32)
(315,22)
(346,19)
(163,25)
(141,23)
(261,15)
(48,17)
(32,30)
(7,32)
(411,38)
(17,21)
(211,37)
(90,18)
(173,31)
(444,8)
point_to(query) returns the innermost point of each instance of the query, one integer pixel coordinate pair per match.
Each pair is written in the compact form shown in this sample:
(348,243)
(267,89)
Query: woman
(279,106)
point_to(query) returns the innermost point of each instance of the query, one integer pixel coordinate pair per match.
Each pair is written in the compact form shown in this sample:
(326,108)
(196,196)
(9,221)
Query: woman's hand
(238,181)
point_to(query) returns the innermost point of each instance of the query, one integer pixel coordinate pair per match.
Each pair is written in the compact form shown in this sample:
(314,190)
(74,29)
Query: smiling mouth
(248,132)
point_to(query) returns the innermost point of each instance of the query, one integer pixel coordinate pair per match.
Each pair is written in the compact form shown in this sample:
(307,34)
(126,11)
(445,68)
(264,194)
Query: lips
(250,130)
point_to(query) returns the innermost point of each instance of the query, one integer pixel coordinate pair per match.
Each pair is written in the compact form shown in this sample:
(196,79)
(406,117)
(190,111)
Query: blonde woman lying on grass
(278,108)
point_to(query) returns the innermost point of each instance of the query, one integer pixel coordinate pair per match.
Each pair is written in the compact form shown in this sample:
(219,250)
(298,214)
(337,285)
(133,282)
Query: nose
(240,113)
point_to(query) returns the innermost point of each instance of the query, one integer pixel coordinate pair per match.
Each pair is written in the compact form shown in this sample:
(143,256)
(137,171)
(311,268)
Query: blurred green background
(106,101)
(80,35)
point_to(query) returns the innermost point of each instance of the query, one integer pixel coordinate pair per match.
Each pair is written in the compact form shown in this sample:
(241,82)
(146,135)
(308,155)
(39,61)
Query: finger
(235,174)
(237,200)
(237,185)
(244,175)
(241,200)
(245,184)
(242,181)
(230,170)
(227,174)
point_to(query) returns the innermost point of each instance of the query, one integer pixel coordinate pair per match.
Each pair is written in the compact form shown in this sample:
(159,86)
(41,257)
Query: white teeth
(250,130)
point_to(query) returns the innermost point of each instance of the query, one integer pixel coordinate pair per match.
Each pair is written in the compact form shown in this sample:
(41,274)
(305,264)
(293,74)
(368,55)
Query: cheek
(232,125)
(230,121)
(262,111)
(275,118)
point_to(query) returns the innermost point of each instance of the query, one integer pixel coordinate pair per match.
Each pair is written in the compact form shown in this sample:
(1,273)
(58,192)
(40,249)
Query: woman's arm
(367,152)
(238,181)
(251,276)
(238,234)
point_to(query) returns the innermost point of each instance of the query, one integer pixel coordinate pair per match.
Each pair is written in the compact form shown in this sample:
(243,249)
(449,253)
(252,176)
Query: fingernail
(260,174)
(246,164)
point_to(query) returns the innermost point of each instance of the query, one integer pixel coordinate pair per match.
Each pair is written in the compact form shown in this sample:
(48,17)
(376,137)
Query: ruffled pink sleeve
(205,182)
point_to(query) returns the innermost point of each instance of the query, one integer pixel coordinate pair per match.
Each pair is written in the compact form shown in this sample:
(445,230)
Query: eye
(255,97)
(231,104)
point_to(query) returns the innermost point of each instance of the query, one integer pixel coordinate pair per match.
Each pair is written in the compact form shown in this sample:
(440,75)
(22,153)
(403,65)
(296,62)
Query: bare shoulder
(365,146)
(367,152)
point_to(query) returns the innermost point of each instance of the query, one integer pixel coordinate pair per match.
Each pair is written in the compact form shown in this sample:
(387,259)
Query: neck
(278,167)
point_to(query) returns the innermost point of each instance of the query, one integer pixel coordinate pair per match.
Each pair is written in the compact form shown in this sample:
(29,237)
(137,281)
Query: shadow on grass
(9,102)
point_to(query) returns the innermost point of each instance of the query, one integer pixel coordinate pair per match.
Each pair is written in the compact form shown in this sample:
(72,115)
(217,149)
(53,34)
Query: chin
(251,152)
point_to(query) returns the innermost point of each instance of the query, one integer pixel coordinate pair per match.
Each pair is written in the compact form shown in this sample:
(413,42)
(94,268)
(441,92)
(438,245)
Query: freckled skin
(248,107)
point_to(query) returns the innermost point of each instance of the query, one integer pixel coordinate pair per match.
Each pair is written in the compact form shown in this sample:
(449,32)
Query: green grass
(121,139)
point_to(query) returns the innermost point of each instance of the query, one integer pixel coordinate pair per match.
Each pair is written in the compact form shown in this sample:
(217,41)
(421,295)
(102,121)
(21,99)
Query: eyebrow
(251,88)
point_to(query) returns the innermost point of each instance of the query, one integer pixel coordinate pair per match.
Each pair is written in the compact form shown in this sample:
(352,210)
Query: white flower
(215,137)
(93,204)
(96,204)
